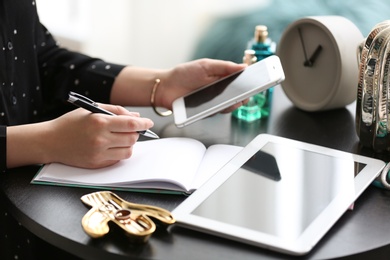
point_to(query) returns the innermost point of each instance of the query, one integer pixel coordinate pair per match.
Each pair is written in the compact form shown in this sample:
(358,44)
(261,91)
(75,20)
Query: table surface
(54,213)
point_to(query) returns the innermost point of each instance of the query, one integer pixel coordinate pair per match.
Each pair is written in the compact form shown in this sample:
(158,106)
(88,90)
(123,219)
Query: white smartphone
(228,91)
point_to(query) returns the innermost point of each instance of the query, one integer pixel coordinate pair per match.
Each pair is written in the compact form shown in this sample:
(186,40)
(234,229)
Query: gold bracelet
(152,98)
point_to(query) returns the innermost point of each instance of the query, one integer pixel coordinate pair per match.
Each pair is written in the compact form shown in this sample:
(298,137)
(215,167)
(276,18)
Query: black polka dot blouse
(36,74)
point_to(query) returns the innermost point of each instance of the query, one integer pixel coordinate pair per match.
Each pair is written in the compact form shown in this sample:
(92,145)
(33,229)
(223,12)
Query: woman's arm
(133,86)
(78,138)
(83,139)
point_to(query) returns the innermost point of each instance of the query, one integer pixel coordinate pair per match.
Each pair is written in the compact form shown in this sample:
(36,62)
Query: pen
(92,106)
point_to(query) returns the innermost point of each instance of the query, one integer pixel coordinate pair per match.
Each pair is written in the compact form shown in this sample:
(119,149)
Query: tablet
(279,194)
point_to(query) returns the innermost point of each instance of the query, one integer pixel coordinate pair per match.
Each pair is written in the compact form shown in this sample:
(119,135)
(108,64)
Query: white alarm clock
(319,58)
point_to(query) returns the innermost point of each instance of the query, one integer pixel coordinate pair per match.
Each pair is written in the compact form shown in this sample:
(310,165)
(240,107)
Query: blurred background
(161,34)
(148,33)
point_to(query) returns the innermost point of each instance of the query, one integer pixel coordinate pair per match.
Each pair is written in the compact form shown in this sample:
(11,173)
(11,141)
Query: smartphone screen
(225,89)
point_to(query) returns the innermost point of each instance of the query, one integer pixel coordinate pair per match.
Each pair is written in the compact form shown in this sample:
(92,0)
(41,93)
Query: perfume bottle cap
(261,33)
(249,57)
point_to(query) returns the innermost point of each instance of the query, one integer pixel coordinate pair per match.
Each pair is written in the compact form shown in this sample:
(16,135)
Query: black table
(54,213)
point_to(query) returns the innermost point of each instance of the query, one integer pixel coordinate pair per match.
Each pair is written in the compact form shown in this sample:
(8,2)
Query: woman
(38,126)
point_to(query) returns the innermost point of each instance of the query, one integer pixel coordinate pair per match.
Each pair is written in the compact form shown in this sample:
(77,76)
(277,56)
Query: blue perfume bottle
(259,105)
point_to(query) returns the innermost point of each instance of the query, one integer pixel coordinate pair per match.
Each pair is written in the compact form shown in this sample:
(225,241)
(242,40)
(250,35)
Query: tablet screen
(280,190)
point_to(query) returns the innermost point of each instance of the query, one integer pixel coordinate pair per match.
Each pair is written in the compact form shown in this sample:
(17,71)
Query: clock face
(311,61)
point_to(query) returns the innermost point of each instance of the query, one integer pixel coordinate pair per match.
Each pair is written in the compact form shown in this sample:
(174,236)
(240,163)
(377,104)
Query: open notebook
(169,165)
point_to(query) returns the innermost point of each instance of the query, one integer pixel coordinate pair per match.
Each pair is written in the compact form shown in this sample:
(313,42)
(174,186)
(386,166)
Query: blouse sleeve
(62,71)
(3,148)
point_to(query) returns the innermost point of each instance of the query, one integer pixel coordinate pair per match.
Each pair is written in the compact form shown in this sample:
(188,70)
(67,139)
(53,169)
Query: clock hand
(303,45)
(314,56)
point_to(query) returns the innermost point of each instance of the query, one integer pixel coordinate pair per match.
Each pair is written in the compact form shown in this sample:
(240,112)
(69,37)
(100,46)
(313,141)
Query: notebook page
(167,159)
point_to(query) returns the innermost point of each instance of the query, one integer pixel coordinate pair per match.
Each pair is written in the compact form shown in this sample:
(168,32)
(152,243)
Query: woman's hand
(133,86)
(79,138)
(192,75)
